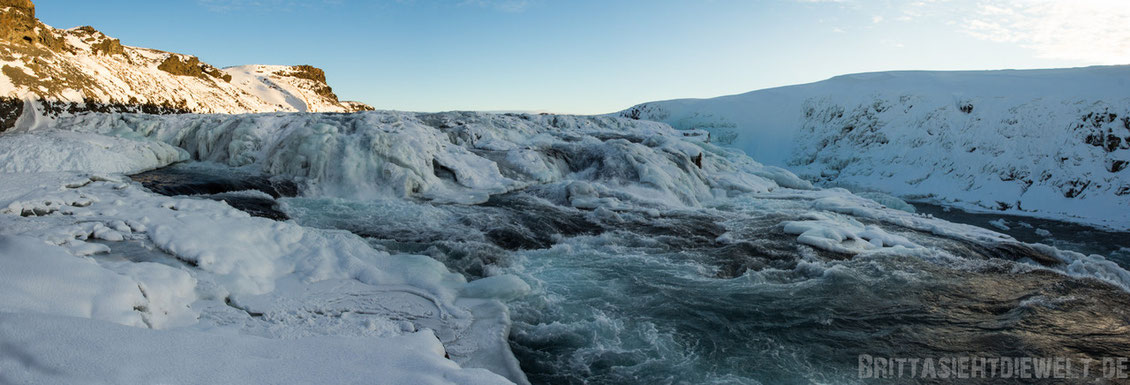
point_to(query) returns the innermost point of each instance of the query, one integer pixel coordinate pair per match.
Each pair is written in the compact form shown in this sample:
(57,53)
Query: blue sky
(582,56)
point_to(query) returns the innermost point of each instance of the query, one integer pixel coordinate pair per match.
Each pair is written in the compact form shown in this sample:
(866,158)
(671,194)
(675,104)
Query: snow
(99,353)
(40,278)
(102,248)
(844,235)
(286,92)
(1043,143)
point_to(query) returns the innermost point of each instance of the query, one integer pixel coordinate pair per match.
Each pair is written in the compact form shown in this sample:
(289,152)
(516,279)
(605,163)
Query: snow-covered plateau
(585,249)
(1046,143)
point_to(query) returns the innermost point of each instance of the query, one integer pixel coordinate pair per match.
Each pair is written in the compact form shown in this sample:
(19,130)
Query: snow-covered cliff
(1051,143)
(83,66)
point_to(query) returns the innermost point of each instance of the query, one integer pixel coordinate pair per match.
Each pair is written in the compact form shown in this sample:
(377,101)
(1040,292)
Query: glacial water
(722,295)
(1114,245)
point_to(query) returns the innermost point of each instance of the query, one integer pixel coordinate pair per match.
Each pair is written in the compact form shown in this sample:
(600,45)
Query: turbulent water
(720,295)
(1115,245)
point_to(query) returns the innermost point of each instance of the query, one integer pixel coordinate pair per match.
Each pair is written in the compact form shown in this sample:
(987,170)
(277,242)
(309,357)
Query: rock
(191,67)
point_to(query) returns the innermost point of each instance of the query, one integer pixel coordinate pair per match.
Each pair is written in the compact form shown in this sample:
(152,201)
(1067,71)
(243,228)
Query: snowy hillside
(1049,143)
(82,64)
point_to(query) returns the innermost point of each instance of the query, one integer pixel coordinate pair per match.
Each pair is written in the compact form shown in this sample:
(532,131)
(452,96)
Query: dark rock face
(19,4)
(100,43)
(18,22)
(18,25)
(315,74)
(12,108)
(307,72)
(191,67)
(10,111)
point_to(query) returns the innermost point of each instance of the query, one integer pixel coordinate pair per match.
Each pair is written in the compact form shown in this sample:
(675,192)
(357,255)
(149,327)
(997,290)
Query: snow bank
(38,278)
(1048,143)
(99,353)
(103,248)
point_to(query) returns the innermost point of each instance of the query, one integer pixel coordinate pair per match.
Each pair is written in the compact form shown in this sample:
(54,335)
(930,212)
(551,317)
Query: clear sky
(598,56)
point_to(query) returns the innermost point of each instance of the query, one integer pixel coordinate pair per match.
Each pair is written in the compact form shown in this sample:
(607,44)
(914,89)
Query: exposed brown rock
(19,25)
(353,106)
(43,66)
(108,47)
(99,42)
(315,74)
(307,72)
(191,67)
(23,5)
(10,111)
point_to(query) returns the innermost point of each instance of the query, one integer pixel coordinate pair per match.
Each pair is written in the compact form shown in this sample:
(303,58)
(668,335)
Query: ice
(53,150)
(1000,224)
(502,287)
(888,201)
(459,157)
(843,235)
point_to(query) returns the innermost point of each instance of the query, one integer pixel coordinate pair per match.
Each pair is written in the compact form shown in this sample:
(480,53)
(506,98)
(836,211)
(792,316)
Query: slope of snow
(1051,143)
(270,84)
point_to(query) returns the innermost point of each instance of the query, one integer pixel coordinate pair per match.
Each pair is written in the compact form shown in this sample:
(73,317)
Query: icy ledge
(241,299)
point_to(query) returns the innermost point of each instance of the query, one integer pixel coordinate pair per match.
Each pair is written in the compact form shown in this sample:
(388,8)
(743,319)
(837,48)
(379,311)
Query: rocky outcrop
(191,66)
(99,42)
(10,111)
(82,65)
(19,25)
(317,75)
(307,72)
